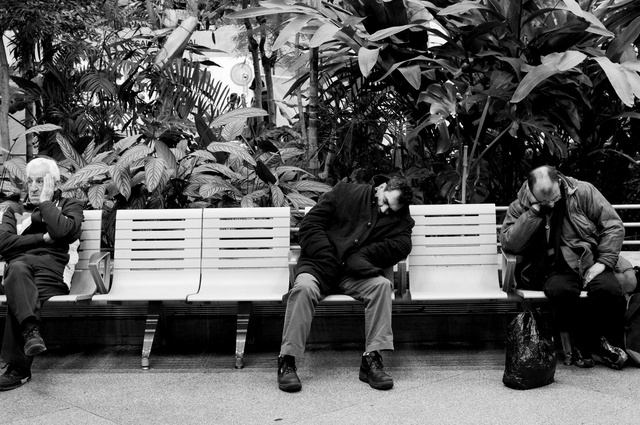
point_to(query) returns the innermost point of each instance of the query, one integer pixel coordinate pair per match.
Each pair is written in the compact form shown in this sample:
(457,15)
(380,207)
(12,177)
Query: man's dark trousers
(29,281)
(602,313)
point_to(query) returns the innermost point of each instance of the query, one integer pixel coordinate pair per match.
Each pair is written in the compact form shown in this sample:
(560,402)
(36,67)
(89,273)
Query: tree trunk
(301,115)
(267,67)
(312,152)
(5,142)
(255,57)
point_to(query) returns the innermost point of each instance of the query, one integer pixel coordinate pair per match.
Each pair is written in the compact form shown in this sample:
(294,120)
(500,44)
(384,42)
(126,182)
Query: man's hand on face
(535,206)
(48,187)
(47,238)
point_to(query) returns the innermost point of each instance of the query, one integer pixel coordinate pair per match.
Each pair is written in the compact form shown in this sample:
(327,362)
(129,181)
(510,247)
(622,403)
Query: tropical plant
(511,83)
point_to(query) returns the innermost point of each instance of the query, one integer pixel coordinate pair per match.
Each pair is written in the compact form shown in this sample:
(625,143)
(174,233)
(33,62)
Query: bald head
(544,184)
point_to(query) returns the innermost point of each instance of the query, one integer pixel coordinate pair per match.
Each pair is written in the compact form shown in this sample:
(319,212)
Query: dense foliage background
(462,97)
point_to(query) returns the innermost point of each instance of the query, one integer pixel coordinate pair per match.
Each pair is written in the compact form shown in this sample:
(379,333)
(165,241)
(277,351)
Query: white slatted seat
(156,258)
(454,253)
(244,259)
(83,286)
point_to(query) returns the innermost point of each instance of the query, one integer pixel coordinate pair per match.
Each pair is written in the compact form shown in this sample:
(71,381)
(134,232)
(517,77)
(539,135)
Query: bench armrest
(294,255)
(403,287)
(508,273)
(100,268)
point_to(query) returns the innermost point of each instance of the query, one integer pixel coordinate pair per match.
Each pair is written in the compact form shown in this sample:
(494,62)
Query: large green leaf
(122,179)
(288,153)
(388,32)
(132,155)
(277,197)
(69,152)
(624,40)
(126,143)
(310,186)
(463,7)
(165,153)
(84,174)
(96,195)
(367,59)
(42,127)
(233,129)
(208,190)
(325,33)
(17,167)
(618,79)
(238,114)
(552,64)
(217,168)
(232,148)
(299,201)
(412,74)
(153,170)
(289,32)
(596,27)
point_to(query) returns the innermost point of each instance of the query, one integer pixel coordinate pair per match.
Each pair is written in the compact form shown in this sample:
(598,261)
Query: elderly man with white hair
(36,252)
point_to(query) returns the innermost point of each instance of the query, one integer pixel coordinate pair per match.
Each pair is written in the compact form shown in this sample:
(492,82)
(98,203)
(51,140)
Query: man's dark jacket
(62,219)
(345,235)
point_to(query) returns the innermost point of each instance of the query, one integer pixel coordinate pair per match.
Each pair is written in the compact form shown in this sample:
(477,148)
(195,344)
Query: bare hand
(47,238)
(48,187)
(593,271)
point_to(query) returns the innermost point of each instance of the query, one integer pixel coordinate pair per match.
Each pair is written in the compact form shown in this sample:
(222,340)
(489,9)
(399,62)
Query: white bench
(156,259)
(244,260)
(454,254)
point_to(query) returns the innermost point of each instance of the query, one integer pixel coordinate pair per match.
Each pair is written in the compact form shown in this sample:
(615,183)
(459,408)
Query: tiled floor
(433,385)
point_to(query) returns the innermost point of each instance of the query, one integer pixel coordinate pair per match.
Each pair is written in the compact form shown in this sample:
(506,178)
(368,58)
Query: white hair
(49,163)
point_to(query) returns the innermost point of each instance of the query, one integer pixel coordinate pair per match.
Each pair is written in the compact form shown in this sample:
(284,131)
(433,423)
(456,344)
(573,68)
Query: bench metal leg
(244,313)
(153,314)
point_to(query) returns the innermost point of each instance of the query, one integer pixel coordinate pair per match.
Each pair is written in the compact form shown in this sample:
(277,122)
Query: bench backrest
(454,252)
(244,254)
(156,255)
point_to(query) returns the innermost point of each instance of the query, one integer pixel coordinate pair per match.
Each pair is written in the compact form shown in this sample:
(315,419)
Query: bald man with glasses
(569,237)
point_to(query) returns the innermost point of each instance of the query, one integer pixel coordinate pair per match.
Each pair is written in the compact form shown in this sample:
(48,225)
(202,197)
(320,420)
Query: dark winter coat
(62,219)
(345,235)
(591,231)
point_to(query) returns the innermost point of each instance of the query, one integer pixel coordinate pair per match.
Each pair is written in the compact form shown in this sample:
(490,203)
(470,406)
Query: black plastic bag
(531,353)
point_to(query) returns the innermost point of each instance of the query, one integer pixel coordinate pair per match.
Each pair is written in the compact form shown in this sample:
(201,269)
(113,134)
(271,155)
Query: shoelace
(29,332)
(288,368)
(376,362)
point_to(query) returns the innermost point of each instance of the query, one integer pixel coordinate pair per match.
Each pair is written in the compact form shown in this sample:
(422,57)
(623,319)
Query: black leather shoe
(33,342)
(14,377)
(372,372)
(287,377)
(609,355)
(581,358)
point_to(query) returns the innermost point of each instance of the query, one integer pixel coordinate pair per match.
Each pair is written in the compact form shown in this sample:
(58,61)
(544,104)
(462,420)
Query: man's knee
(305,286)
(16,272)
(606,286)
(558,289)
(381,286)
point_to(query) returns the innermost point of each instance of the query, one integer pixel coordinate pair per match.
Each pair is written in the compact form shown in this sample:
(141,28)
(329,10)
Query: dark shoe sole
(35,349)
(14,385)
(376,385)
(290,388)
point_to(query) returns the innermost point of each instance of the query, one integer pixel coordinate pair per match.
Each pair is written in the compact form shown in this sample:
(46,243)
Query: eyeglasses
(549,203)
